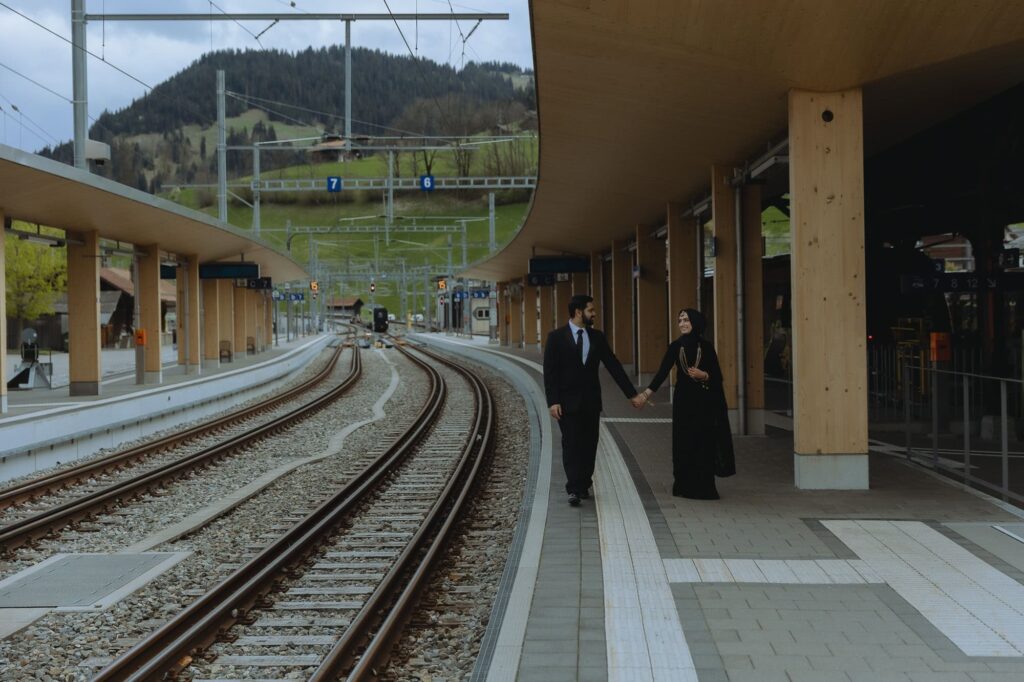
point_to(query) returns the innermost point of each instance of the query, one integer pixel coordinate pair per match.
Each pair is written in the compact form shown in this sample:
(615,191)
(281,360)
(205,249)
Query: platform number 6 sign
(427,183)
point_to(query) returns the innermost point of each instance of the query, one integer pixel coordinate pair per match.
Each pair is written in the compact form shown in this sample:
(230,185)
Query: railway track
(39,524)
(333,591)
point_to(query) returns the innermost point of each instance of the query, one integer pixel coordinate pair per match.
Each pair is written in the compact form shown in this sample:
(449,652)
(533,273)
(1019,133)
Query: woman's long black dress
(697,412)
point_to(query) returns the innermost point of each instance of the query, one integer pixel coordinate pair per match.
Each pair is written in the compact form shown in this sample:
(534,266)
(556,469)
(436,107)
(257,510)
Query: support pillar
(504,315)
(268,320)
(651,303)
(85,368)
(515,312)
(753,309)
(547,317)
(563,292)
(621,326)
(530,318)
(240,325)
(226,331)
(826,186)
(149,310)
(723,214)
(597,287)
(251,347)
(580,285)
(188,313)
(3,317)
(211,324)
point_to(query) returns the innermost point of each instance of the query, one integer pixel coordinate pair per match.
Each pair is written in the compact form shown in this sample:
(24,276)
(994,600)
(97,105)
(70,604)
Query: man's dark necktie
(579,345)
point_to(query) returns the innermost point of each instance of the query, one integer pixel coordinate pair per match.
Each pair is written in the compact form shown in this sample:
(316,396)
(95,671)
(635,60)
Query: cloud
(154,51)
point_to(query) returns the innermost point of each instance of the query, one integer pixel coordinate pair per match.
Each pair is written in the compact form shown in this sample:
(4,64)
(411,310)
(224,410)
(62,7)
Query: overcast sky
(154,51)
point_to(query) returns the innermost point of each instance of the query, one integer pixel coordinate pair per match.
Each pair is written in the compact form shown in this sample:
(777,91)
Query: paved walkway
(915,579)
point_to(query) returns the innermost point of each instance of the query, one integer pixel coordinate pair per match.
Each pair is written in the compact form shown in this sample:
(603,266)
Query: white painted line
(956,605)
(839,572)
(642,629)
(776,571)
(1009,532)
(713,571)
(745,571)
(681,571)
(808,572)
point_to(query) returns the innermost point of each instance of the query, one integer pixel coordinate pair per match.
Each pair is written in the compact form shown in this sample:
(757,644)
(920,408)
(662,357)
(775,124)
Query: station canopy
(637,99)
(38,190)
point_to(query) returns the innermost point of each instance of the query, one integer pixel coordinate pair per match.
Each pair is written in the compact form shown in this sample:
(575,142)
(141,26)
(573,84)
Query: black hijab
(690,341)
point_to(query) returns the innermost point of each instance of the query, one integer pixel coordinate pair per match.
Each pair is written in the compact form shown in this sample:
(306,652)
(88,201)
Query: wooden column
(84,346)
(530,303)
(515,313)
(547,317)
(211,324)
(251,323)
(580,285)
(188,312)
(226,331)
(504,315)
(753,309)
(149,309)
(651,304)
(681,244)
(268,320)
(621,326)
(597,287)
(826,185)
(241,324)
(563,292)
(3,317)
(723,213)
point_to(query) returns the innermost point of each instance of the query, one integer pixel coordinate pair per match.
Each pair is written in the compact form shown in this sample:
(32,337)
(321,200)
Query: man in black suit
(571,358)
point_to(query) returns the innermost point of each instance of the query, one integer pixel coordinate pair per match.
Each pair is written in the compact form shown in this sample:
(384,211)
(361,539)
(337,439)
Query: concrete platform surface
(913,579)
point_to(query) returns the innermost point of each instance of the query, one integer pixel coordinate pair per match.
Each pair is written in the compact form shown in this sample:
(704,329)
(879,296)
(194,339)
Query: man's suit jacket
(574,386)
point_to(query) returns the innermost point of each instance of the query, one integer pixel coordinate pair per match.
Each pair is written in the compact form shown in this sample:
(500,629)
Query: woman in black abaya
(701,439)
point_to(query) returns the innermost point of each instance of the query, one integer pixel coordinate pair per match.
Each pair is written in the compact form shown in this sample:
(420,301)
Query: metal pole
(492,243)
(741,360)
(448,291)
(906,406)
(935,415)
(1005,440)
(465,246)
(967,432)
(277,321)
(390,212)
(79,87)
(222,151)
(348,85)
(256,191)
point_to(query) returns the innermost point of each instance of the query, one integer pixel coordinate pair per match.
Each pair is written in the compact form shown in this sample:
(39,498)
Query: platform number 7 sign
(333,183)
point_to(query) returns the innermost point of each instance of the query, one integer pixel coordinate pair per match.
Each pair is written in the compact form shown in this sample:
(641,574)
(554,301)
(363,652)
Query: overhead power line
(69,42)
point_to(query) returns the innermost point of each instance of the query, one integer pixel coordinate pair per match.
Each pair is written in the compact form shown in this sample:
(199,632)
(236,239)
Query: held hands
(640,399)
(555,411)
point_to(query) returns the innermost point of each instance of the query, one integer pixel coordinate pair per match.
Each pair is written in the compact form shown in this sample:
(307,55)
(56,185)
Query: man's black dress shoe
(574,500)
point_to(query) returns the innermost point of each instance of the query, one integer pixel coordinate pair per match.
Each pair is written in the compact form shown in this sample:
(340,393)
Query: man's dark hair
(578,302)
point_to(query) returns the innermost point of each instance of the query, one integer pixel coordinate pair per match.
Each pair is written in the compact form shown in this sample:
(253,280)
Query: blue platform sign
(427,183)
(481,293)
(334,183)
(292,296)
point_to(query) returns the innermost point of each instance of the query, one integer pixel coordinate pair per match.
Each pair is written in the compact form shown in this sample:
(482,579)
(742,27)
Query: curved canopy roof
(638,98)
(39,190)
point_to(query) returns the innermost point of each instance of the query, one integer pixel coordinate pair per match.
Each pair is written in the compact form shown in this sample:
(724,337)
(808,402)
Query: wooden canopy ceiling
(39,190)
(638,98)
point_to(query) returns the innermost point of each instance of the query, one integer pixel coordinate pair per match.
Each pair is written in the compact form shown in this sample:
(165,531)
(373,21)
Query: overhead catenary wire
(323,113)
(69,42)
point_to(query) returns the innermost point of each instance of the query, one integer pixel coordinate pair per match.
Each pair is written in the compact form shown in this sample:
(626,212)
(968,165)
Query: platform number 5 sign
(427,183)
(333,183)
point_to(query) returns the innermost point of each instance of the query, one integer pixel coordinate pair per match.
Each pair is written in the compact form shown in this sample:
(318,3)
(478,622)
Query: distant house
(350,306)
(331,148)
(117,282)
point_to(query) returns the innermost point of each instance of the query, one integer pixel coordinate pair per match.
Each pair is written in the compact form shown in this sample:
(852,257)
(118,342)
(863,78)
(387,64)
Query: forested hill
(388,90)
(383,85)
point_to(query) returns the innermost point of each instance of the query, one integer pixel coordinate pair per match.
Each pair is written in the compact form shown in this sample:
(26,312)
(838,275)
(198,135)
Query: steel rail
(378,624)
(171,648)
(25,530)
(62,479)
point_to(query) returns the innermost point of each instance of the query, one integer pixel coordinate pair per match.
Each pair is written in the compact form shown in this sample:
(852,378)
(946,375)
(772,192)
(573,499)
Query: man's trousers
(579,449)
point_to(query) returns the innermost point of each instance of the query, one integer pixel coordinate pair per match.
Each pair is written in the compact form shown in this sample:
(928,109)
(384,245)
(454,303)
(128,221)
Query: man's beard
(588,322)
